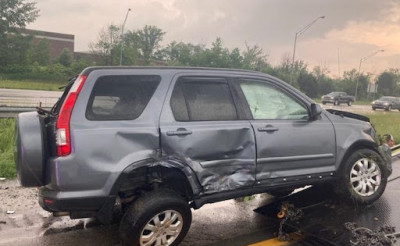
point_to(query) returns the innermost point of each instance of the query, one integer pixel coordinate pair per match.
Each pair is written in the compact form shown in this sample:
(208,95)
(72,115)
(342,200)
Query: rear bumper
(57,201)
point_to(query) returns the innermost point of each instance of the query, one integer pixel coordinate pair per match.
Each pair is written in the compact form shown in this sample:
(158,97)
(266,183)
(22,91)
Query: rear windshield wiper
(43,111)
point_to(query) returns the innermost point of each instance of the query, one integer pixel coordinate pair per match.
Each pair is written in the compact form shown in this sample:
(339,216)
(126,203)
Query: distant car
(337,98)
(386,103)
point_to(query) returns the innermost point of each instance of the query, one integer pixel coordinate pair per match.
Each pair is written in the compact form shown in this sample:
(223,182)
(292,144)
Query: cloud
(356,27)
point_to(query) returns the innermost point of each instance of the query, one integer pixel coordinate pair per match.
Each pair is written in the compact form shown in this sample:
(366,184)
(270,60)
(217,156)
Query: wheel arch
(361,144)
(150,174)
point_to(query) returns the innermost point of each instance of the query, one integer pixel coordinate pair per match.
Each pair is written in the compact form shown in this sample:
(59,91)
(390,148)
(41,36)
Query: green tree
(107,45)
(387,83)
(65,58)
(41,52)
(325,83)
(14,15)
(254,58)
(148,41)
(308,84)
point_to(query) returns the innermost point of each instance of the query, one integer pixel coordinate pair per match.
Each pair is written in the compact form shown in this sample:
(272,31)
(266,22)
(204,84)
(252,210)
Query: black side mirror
(316,111)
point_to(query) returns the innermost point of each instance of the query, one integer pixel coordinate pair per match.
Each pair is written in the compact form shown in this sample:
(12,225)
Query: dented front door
(201,126)
(290,145)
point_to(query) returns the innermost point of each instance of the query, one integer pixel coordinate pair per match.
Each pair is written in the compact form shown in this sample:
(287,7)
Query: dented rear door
(201,126)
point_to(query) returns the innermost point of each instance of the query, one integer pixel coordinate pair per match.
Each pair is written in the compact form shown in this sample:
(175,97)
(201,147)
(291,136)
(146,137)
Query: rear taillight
(63,137)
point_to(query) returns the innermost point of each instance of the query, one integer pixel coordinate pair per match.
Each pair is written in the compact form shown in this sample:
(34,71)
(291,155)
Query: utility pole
(122,36)
(359,68)
(299,33)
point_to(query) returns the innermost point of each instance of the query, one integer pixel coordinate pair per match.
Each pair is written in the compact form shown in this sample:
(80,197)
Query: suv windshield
(333,94)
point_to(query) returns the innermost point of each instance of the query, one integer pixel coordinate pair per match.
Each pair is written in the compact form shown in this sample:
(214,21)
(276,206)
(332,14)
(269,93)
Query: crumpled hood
(348,115)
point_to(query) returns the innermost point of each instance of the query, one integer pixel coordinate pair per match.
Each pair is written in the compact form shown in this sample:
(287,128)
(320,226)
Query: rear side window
(121,97)
(202,99)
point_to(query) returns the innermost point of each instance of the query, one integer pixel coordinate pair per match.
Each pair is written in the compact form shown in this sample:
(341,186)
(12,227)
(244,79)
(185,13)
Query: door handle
(179,132)
(268,128)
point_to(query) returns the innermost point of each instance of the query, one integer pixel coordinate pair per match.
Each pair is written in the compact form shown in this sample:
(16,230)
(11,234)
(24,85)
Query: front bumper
(326,100)
(380,106)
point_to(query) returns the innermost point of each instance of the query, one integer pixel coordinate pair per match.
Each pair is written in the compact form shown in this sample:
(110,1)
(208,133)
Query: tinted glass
(202,100)
(268,102)
(121,97)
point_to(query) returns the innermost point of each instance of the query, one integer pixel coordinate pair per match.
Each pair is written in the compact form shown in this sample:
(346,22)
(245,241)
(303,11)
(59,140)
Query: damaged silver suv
(157,142)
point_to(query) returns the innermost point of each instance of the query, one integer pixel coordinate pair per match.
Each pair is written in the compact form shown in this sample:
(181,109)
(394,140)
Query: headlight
(373,102)
(386,103)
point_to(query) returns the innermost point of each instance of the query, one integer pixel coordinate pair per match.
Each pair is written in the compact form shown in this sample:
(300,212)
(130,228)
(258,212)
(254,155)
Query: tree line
(21,59)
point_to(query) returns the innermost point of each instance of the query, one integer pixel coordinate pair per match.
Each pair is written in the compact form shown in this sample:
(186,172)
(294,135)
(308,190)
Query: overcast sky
(351,30)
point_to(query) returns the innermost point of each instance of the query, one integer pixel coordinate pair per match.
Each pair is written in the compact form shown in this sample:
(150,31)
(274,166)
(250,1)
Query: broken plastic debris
(10,212)
(2,179)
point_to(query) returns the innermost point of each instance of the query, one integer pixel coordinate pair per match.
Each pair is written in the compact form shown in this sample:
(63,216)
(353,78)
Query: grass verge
(7,167)
(386,123)
(31,85)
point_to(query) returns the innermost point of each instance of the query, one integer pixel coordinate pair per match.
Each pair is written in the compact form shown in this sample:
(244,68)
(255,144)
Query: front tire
(389,108)
(158,218)
(336,102)
(364,177)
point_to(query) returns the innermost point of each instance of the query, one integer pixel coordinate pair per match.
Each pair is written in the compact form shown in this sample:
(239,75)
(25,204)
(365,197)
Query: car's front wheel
(158,218)
(364,177)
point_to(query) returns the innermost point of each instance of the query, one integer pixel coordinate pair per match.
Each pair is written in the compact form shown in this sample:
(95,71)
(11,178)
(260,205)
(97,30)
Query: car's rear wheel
(336,102)
(389,108)
(364,177)
(158,218)
(349,103)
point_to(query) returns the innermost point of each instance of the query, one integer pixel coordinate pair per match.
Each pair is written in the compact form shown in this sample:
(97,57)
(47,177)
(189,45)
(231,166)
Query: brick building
(57,41)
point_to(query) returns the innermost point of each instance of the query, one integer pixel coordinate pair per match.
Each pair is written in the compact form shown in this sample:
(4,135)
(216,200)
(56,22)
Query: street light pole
(359,68)
(122,36)
(299,33)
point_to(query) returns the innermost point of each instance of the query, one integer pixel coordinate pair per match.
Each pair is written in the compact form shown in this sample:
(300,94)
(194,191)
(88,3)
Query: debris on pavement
(3,222)
(2,179)
(288,212)
(383,236)
(10,212)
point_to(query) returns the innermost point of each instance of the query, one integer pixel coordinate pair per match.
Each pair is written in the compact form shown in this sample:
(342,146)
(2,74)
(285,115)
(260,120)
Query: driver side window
(268,102)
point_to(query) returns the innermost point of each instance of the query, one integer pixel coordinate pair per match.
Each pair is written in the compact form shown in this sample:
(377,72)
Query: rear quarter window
(121,97)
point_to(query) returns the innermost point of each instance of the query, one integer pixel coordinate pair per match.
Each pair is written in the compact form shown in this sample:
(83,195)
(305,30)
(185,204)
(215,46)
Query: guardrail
(11,112)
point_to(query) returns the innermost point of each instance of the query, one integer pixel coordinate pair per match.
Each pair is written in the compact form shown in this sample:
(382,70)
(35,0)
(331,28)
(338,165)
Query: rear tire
(389,108)
(349,103)
(160,216)
(364,177)
(336,102)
